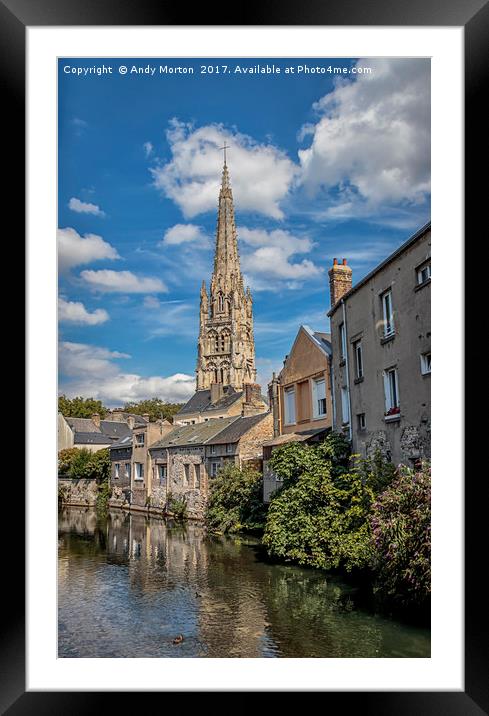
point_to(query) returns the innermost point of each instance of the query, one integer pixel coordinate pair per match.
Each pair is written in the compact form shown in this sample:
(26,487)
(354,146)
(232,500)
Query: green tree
(321,516)
(401,537)
(80,463)
(156,408)
(80,407)
(236,500)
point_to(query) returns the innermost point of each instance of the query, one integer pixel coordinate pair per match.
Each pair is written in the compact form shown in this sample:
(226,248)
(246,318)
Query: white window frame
(127,469)
(389,327)
(316,413)
(213,449)
(358,349)
(214,468)
(419,273)
(139,439)
(139,477)
(117,467)
(391,401)
(289,402)
(345,406)
(229,447)
(425,365)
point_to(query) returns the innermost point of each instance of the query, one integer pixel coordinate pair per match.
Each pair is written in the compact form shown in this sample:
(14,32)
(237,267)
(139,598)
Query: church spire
(226,350)
(226,260)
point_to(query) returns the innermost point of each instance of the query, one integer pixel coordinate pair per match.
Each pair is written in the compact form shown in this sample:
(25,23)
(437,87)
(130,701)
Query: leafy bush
(321,516)
(178,507)
(80,463)
(236,500)
(65,459)
(401,526)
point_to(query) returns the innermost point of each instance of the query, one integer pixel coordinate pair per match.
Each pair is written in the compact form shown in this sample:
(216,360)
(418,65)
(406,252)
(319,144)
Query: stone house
(300,398)
(121,471)
(95,433)
(141,473)
(186,459)
(381,338)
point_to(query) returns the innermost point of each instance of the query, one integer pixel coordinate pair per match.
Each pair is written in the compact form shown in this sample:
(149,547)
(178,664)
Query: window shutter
(387,391)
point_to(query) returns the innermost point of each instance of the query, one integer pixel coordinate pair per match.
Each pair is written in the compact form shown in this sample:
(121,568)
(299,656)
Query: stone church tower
(226,349)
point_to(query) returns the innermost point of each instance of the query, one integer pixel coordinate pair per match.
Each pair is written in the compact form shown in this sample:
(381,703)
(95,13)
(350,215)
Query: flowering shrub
(401,532)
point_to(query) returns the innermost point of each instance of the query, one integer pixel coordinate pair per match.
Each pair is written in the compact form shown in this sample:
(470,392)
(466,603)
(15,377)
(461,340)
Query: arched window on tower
(220,302)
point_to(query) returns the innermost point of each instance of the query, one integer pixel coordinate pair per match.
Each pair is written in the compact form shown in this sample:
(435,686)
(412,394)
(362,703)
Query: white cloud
(91,371)
(151,302)
(109,281)
(261,174)
(82,207)
(148,148)
(184,234)
(271,259)
(372,141)
(75,312)
(79,359)
(74,250)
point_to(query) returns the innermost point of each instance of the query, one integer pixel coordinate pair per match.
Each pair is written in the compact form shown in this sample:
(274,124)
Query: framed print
(229,271)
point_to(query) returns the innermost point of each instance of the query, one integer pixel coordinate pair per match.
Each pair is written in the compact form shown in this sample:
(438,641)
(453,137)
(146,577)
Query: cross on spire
(226,146)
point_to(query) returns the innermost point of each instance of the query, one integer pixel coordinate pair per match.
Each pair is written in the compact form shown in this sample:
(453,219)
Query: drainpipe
(347,370)
(332,387)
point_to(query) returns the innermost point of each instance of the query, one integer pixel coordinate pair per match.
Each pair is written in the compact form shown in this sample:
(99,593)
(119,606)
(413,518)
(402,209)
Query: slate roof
(125,442)
(322,340)
(91,439)
(200,402)
(295,437)
(198,434)
(108,431)
(233,432)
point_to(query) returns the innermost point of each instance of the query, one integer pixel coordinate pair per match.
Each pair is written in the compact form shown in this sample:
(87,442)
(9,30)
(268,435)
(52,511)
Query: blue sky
(321,166)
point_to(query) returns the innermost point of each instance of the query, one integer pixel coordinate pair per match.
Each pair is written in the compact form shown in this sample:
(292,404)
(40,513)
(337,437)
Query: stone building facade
(185,461)
(381,338)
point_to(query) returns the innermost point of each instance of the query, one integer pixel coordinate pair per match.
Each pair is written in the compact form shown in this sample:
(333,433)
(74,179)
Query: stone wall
(251,444)
(77,492)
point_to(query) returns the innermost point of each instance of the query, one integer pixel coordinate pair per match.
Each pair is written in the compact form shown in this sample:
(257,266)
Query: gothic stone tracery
(226,349)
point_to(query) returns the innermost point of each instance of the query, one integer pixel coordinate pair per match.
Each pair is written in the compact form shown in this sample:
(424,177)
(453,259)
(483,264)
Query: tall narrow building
(225,371)
(226,349)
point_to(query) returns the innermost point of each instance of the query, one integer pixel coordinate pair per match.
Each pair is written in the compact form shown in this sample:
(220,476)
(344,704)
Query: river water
(128,585)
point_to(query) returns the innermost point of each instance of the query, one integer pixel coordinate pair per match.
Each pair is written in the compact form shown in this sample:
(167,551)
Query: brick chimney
(145,416)
(252,403)
(339,280)
(96,419)
(130,421)
(217,391)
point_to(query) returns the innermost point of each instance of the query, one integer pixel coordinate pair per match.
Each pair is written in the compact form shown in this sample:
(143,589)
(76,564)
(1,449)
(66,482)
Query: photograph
(244,357)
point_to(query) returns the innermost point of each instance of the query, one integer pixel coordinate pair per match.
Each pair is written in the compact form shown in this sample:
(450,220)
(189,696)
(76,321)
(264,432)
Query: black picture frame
(473,15)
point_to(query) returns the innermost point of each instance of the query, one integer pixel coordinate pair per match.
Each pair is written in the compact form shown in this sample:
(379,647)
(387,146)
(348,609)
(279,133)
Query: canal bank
(129,584)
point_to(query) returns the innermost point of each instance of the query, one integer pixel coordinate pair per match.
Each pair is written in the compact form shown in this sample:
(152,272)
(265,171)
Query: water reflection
(128,585)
